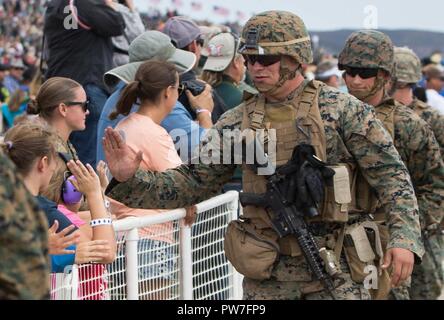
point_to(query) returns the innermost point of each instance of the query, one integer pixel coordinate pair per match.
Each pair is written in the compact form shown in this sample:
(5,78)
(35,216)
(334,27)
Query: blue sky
(327,15)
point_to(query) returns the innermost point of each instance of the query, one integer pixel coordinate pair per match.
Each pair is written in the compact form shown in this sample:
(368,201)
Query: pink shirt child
(72,216)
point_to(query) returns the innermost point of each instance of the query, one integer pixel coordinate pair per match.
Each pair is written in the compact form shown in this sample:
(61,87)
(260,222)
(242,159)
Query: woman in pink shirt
(156,88)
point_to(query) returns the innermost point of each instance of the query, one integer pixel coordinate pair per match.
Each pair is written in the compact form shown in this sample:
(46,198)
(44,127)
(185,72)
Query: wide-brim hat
(151,45)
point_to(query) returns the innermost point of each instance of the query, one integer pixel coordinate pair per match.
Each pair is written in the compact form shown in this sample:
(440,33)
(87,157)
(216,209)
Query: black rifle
(294,192)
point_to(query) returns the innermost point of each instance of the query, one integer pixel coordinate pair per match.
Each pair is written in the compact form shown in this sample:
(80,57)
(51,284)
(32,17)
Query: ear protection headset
(69,195)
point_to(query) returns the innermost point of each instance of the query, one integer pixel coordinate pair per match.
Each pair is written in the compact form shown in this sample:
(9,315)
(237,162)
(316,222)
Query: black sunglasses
(364,73)
(84,105)
(262,60)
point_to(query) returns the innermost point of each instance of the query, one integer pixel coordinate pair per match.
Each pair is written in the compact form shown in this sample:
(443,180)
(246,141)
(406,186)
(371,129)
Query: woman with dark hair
(156,88)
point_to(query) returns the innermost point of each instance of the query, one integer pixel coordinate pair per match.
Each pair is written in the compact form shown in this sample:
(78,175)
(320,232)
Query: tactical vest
(365,199)
(418,106)
(294,122)
(386,113)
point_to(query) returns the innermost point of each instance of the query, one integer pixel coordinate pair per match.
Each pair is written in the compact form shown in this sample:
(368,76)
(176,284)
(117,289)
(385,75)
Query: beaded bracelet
(200,110)
(100,222)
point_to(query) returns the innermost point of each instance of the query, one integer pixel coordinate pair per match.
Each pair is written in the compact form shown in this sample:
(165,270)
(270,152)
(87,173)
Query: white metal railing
(159,258)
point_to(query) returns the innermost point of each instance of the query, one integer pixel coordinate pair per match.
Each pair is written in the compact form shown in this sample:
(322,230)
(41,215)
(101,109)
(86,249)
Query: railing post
(237,277)
(74,282)
(132,274)
(186,257)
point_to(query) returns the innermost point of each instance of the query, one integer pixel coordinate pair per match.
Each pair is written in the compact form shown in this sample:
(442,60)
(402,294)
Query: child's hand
(102,170)
(86,180)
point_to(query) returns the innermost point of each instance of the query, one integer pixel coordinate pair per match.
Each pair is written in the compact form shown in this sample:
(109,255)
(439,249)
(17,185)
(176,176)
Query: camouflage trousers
(427,278)
(400,293)
(292,280)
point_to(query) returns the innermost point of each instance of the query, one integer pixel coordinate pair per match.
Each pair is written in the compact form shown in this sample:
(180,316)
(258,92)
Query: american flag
(221,11)
(196,6)
(177,3)
(240,15)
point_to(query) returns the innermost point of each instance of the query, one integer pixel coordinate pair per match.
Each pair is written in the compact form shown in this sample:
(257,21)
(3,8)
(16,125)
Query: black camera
(195,87)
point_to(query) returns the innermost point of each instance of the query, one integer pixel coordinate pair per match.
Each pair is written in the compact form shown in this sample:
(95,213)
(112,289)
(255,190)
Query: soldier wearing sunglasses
(368,61)
(293,111)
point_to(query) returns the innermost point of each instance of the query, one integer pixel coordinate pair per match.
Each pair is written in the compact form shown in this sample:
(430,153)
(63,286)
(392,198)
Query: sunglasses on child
(364,73)
(265,61)
(84,105)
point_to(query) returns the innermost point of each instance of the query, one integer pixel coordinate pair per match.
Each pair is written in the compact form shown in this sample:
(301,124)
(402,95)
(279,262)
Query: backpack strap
(386,113)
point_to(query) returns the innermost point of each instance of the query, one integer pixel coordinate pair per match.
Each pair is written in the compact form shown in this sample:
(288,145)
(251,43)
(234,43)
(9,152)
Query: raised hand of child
(86,180)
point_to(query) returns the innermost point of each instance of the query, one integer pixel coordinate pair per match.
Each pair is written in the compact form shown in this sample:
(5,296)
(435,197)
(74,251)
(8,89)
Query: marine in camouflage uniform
(66,147)
(352,135)
(427,278)
(24,263)
(413,138)
(407,75)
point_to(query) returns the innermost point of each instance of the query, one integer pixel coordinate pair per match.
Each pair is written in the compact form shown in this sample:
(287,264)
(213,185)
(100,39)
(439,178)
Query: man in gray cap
(185,34)
(156,45)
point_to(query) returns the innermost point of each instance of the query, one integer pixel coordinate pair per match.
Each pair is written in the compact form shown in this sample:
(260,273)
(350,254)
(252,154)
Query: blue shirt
(11,83)
(58,262)
(188,135)
(52,213)
(9,115)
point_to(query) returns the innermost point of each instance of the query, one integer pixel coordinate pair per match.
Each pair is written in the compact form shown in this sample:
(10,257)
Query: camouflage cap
(407,66)
(277,33)
(368,49)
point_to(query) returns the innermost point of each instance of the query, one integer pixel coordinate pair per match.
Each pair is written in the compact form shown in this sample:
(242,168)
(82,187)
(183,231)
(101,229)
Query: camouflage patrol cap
(407,66)
(368,49)
(277,33)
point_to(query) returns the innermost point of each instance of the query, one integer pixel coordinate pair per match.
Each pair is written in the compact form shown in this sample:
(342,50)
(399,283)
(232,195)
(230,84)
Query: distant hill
(422,42)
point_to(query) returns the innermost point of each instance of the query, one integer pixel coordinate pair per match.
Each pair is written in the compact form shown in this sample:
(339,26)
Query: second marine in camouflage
(344,132)
(407,74)
(427,278)
(368,61)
